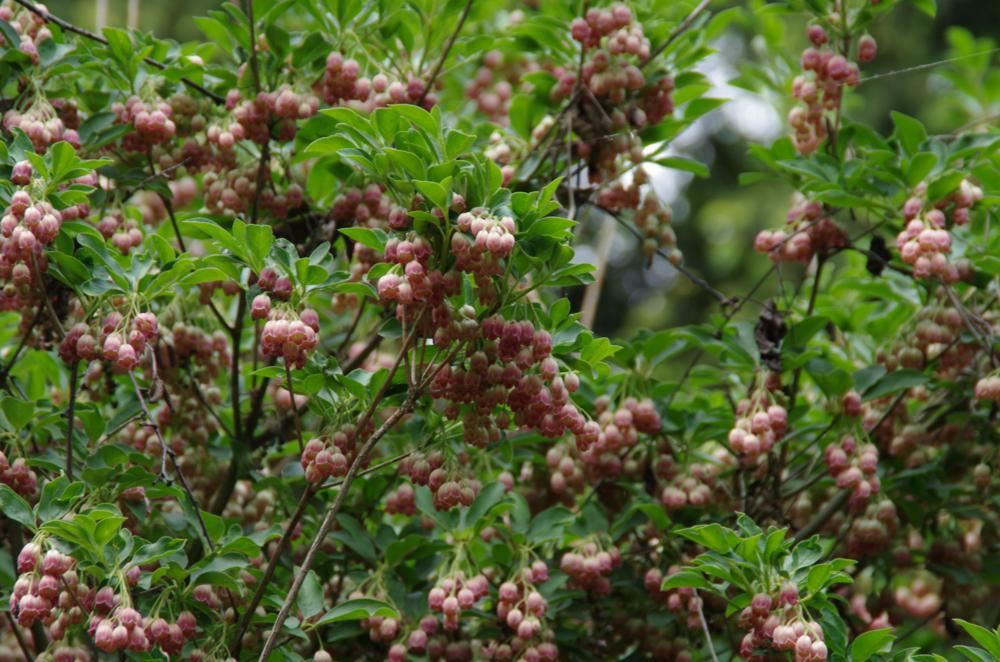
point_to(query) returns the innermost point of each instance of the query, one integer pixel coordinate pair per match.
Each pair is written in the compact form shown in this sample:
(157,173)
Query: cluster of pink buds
(615,43)
(809,232)
(492,98)
(523,608)
(820,92)
(449,489)
(921,598)
(678,600)
(873,530)
(453,594)
(417,283)
(778,625)
(29,27)
(151,121)
(854,468)
(758,427)
(124,233)
(232,191)
(492,240)
(330,456)
(590,567)
(290,336)
(41,124)
(27,226)
(987,389)
(510,365)
(653,220)
(37,589)
(253,118)
(402,501)
(18,476)
(924,242)
(691,485)
(342,85)
(113,343)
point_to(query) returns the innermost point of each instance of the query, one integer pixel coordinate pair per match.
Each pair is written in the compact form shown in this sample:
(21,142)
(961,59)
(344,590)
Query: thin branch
(165,451)
(69,27)
(20,638)
(272,564)
(592,295)
(704,628)
(5,372)
(73,374)
(444,54)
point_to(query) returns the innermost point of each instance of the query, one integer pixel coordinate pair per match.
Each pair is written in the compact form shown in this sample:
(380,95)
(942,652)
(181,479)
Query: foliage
(291,368)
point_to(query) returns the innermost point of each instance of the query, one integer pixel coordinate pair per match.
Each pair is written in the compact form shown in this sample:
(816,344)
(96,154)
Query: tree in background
(299,358)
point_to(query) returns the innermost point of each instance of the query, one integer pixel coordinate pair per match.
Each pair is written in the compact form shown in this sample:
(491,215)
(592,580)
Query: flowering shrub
(288,370)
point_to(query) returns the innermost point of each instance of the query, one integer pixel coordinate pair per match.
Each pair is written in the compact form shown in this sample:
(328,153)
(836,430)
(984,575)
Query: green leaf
(686,579)
(711,536)
(310,599)
(154,551)
(549,524)
(688,165)
(18,412)
(909,132)
(870,643)
(988,640)
(929,7)
(13,506)
(373,238)
(892,382)
(434,193)
(488,497)
(357,609)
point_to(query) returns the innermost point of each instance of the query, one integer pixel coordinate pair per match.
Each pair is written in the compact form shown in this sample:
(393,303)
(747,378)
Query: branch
(678,31)
(20,638)
(73,373)
(5,372)
(444,53)
(165,451)
(823,516)
(272,564)
(69,27)
(592,295)
(687,273)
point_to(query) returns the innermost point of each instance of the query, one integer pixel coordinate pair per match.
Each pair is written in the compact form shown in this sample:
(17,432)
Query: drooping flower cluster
(342,85)
(924,242)
(678,600)
(150,120)
(28,26)
(454,594)
(780,625)
(36,591)
(231,191)
(449,484)
(331,455)
(252,118)
(809,231)
(27,226)
(854,467)
(759,426)
(820,88)
(119,341)
(18,476)
(522,608)
(590,566)
(693,484)
(614,43)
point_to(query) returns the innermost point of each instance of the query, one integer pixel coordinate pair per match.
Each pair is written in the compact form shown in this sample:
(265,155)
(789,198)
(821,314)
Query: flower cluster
(924,242)
(331,455)
(28,26)
(820,88)
(18,476)
(453,594)
(759,426)
(589,568)
(119,341)
(38,586)
(614,42)
(150,120)
(854,467)
(809,232)
(342,85)
(27,226)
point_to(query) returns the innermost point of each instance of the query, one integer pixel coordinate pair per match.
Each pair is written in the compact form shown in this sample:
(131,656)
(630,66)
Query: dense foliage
(289,369)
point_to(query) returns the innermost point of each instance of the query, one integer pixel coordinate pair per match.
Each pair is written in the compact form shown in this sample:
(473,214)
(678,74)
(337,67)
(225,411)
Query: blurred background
(935,69)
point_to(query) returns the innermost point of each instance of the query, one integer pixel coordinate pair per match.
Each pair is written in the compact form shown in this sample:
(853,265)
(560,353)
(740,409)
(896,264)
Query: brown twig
(444,54)
(73,374)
